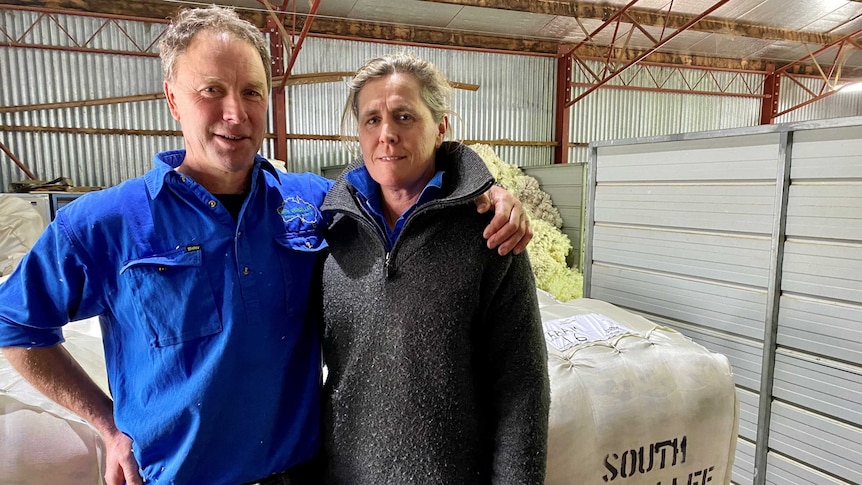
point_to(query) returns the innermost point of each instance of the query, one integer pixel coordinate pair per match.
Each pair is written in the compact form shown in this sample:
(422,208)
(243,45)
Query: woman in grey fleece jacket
(437,370)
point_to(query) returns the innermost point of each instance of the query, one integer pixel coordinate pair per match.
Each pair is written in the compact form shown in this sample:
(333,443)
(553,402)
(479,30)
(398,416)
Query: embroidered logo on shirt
(293,208)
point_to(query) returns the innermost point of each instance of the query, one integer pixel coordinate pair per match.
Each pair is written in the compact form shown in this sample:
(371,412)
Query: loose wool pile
(549,246)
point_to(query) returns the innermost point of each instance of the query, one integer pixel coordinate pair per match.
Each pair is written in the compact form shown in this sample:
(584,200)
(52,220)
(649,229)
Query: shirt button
(183,178)
(162,269)
(245,270)
(239,234)
(307,244)
(212,204)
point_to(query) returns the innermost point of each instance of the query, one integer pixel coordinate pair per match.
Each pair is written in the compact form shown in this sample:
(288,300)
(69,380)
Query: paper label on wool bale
(565,333)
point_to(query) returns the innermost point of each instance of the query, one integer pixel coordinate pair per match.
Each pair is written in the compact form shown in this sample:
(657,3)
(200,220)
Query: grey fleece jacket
(437,365)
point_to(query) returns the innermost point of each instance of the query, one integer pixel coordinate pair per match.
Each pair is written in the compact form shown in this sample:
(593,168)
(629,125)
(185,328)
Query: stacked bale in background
(549,247)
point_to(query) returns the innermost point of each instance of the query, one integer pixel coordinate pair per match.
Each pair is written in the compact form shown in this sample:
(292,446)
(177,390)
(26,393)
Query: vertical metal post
(279,107)
(589,224)
(773,300)
(564,94)
(771,89)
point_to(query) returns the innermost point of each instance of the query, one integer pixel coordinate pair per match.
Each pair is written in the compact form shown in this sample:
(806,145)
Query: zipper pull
(388,271)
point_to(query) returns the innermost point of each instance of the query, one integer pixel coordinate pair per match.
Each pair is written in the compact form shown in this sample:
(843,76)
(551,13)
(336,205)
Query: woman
(436,363)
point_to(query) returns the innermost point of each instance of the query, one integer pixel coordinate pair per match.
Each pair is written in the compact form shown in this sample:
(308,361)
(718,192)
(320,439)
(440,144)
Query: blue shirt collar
(368,192)
(167,162)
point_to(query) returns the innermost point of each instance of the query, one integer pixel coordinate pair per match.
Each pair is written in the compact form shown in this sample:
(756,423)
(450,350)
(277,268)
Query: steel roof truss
(614,66)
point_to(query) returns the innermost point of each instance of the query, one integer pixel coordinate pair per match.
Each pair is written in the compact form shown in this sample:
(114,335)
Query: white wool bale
(20,227)
(634,403)
(42,442)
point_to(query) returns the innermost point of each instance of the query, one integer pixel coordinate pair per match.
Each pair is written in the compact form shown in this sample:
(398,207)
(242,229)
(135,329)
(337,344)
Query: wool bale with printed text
(632,402)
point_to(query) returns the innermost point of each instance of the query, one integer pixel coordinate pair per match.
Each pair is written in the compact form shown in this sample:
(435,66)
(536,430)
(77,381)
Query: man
(200,271)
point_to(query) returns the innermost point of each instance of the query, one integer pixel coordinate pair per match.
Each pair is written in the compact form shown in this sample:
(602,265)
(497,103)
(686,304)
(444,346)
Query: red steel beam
(17,162)
(561,121)
(771,90)
(641,56)
(828,88)
(294,52)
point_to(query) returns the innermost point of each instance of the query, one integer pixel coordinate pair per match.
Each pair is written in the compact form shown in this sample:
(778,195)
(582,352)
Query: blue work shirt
(368,193)
(212,360)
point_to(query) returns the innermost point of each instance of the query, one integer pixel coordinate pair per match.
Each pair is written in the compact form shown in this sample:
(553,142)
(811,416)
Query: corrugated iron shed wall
(610,114)
(35,76)
(515,101)
(838,105)
(749,242)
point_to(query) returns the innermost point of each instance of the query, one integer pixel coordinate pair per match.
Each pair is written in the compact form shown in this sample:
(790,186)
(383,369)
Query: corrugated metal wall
(749,242)
(838,105)
(515,99)
(35,76)
(565,185)
(611,114)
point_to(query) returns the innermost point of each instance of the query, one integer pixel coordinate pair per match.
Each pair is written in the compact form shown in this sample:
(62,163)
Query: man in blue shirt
(200,271)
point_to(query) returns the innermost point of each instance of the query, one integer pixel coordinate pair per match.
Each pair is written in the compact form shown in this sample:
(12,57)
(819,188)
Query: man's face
(219,96)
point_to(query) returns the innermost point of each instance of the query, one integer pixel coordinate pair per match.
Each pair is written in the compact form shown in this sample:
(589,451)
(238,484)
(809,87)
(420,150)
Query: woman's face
(397,133)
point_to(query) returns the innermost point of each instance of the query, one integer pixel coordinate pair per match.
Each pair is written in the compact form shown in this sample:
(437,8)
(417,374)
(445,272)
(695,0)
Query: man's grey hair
(190,22)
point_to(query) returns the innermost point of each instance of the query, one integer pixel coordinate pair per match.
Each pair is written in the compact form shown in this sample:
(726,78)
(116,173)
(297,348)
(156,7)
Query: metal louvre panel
(823,269)
(799,401)
(736,310)
(695,160)
(823,328)
(743,463)
(827,386)
(733,258)
(565,185)
(783,471)
(817,441)
(747,414)
(817,424)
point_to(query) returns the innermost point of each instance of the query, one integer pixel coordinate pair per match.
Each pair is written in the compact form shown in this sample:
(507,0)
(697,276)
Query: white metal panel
(824,269)
(751,158)
(830,387)
(748,402)
(820,442)
(564,183)
(688,281)
(784,471)
(827,154)
(710,206)
(734,309)
(743,463)
(821,327)
(734,258)
(826,209)
(817,424)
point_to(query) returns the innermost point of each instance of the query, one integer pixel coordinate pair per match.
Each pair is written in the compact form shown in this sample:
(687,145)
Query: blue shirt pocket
(174,296)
